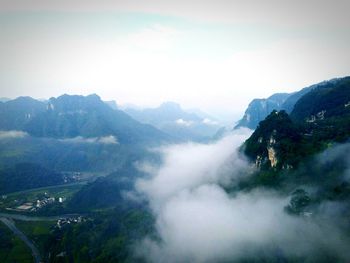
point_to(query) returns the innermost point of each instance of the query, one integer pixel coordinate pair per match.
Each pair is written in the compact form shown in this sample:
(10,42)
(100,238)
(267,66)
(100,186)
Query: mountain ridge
(69,116)
(259,109)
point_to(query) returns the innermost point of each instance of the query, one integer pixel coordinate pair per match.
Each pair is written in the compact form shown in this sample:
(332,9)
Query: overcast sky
(214,55)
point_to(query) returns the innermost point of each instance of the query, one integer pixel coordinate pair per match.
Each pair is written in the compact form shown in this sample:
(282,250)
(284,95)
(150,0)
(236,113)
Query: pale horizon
(213,56)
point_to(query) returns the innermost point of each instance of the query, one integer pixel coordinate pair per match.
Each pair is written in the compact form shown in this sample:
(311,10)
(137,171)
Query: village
(69,220)
(32,204)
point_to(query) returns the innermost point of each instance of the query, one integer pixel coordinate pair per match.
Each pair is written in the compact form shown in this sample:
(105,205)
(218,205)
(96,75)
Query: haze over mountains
(172,119)
(149,180)
(73,116)
(83,133)
(174,131)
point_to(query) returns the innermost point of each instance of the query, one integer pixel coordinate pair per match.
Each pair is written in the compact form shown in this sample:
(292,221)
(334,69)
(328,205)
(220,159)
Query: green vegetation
(287,150)
(12,249)
(277,131)
(319,119)
(13,200)
(105,237)
(283,146)
(37,231)
(299,201)
(331,98)
(25,176)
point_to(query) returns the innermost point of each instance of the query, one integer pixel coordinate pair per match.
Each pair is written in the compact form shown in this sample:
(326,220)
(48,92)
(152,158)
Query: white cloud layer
(198,221)
(100,140)
(12,134)
(183,122)
(187,166)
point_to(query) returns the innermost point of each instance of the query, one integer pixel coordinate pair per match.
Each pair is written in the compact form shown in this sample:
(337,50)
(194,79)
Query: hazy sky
(214,55)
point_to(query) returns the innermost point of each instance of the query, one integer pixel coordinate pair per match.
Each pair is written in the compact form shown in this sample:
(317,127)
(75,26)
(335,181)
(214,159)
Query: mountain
(70,116)
(4,99)
(167,111)
(172,119)
(274,142)
(72,133)
(112,104)
(259,109)
(329,100)
(319,119)
(16,114)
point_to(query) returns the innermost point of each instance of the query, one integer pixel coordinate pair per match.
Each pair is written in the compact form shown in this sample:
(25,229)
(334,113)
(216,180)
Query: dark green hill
(275,142)
(259,109)
(320,118)
(329,100)
(27,175)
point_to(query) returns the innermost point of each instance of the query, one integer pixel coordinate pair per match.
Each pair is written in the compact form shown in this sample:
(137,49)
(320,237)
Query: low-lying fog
(198,221)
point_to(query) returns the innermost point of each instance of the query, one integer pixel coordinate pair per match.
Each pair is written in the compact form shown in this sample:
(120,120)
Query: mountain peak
(67,102)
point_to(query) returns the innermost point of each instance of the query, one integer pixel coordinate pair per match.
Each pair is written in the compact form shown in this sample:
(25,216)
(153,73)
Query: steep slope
(275,142)
(329,100)
(258,109)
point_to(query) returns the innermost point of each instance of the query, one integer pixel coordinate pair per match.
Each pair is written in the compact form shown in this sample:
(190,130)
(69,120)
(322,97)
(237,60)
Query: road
(10,224)
(36,218)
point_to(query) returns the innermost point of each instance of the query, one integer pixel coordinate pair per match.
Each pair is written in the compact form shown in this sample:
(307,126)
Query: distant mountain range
(70,116)
(259,109)
(84,133)
(71,133)
(181,124)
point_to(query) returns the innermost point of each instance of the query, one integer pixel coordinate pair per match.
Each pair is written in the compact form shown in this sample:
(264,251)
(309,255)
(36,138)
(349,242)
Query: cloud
(183,122)
(207,225)
(100,140)
(108,140)
(197,220)
(336,156)
(12,134)
(209,122)
(190,165)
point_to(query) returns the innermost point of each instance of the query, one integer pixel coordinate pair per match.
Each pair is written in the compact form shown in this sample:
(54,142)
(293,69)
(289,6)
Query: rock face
(272,156)
(274,136)
(259,109)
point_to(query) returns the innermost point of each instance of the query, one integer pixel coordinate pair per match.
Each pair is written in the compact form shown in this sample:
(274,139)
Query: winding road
(10,224)
(8,218)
